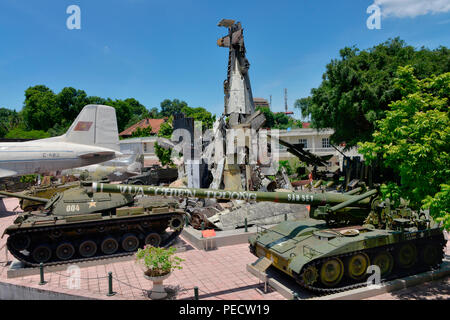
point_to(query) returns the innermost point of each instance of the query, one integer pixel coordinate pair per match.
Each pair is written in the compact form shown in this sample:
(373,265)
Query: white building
(316,142)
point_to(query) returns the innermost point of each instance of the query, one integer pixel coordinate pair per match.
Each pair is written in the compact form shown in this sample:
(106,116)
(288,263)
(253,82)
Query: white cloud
(412,8)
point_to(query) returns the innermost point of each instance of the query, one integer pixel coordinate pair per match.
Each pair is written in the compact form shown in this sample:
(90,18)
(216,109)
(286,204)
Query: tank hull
(305,249)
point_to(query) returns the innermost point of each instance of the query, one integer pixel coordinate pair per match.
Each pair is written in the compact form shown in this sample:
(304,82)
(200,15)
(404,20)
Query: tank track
(396,273)
(166,239)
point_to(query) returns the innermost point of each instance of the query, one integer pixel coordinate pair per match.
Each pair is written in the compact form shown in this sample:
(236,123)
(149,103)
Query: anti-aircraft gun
(346,233)
(76,225)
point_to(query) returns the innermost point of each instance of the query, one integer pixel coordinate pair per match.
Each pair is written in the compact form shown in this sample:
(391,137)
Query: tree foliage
(414,140)
(200,114)
(9,119)
(171,107)
(278,120)
(142,132)
(165,131)
(357,89)
(53,113)
(46,113)
(20,133)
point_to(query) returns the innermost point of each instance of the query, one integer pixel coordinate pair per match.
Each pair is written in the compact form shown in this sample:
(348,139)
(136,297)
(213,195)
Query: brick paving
(219,274)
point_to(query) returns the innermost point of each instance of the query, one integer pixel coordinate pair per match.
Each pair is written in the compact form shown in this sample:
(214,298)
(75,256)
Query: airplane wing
(7,173)
(90,155)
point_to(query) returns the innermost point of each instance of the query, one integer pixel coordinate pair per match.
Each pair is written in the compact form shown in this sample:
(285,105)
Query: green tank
(77,225)
(345,236)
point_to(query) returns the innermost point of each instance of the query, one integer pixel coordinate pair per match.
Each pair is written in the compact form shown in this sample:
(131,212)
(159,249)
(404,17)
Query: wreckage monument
(236,150)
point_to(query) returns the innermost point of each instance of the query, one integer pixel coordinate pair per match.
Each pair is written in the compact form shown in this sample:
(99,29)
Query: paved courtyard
(219,274)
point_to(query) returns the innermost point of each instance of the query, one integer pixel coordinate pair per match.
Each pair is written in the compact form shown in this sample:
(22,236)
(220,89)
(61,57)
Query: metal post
(41,272)
(245,224)
(285,217)
(110,285)
(195,293)
(202,226)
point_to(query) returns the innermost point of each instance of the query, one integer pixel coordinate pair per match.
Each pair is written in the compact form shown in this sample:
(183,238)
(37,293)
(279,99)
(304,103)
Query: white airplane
(92,138)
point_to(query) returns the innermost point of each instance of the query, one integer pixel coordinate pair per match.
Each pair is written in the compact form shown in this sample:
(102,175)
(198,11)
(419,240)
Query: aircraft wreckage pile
(236,152)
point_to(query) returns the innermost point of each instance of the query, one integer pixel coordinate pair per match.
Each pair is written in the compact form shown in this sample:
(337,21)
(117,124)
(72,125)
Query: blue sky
(153,50)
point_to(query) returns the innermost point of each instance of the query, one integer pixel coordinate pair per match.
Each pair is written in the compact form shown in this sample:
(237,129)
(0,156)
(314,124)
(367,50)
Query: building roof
(306,125)
(144,123)
(260,102)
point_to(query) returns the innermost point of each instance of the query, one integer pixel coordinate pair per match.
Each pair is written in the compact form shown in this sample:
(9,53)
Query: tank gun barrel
(355,199)
(21,196)
(281,197)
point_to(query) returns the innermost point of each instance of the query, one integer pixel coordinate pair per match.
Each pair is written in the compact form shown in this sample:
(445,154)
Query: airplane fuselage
(43,157)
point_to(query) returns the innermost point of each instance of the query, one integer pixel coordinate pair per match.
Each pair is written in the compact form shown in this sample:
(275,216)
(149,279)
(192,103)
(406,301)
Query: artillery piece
(77,225)
(345,234)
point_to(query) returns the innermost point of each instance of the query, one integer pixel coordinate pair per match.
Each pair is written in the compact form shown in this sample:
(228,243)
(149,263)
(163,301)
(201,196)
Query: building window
(326,143)
(303,143)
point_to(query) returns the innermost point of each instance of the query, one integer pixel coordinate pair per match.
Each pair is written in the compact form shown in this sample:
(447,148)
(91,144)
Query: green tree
(40,110)
(356,89)
(171,107)
(414,140)
(9,119)
(270,119)
(142,132)
(278,120)
(200,114)
(20,133)
(155,114)
(137,107)
(128,112)
(96,100)
(70,101)
(165,131)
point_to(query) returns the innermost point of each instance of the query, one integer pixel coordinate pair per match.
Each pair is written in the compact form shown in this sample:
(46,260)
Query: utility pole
(285,100)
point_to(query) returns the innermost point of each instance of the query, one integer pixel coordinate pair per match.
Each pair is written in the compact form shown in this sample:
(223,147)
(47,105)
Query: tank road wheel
(109,245)
(331,272)
(385,262)
(20,241)
(153,239)
(176,223)
(431,254)
(42,253)
(310,275)
(130,242)
(357,266)
(406,255)
(87,248)
(65,251)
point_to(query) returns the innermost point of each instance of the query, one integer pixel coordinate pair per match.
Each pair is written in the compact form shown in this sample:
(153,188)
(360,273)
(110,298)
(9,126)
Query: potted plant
(157,264)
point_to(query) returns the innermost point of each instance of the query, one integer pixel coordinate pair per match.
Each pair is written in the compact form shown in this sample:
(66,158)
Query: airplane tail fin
(95,125)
